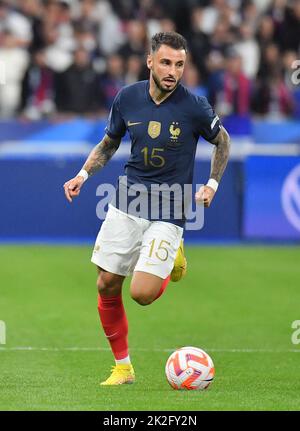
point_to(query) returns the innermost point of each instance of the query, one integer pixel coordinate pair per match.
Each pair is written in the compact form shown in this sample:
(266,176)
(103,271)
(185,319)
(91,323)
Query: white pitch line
(107,349)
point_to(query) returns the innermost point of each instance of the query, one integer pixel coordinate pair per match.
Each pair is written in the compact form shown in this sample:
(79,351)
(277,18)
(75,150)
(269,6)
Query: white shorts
(126,243)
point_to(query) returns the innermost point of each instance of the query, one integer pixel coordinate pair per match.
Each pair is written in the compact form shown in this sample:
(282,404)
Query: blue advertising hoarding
(272,198)
(34,207)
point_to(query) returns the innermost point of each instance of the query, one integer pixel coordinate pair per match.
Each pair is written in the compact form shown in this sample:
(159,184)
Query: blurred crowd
(63,58)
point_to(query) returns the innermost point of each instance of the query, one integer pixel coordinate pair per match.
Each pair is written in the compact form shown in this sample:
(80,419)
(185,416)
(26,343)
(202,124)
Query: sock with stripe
(115,325)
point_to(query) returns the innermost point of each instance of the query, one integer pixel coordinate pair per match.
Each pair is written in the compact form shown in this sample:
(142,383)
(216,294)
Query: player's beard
(161,88)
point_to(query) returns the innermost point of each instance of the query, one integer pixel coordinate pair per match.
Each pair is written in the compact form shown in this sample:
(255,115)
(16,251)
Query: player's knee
(140,297)
(108,284)
(142,300)
(100,285)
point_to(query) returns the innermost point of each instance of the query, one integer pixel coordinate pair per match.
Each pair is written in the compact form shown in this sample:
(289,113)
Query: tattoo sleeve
(220,154)
(101,154)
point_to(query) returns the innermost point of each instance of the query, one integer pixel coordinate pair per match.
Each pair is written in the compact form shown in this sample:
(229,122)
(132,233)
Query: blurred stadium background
(61,64)
(64,61)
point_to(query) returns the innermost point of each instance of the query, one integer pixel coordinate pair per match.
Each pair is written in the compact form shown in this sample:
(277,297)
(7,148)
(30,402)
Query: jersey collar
(164,101)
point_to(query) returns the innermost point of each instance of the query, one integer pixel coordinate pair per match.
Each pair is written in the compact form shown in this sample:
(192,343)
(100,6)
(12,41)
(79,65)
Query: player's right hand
(72,187)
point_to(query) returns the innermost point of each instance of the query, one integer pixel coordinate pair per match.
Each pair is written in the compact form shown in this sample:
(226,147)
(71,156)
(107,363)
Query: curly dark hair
(169,38)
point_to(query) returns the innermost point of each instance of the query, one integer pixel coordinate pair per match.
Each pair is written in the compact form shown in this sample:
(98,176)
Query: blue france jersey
(163,137)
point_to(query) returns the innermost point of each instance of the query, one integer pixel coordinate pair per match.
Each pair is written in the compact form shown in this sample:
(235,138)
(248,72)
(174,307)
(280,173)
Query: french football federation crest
(154,129)
(174,130)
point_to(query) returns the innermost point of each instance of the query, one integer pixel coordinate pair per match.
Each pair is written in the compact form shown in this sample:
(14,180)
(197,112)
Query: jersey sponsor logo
(214,122)
(129,124)
(154,129)
(175,131)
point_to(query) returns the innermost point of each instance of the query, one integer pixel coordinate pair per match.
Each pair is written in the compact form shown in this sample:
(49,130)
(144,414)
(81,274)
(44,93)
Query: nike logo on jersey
(133,124)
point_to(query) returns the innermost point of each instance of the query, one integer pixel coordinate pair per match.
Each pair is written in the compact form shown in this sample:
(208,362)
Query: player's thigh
(159,247)
(118,243)
(145,287)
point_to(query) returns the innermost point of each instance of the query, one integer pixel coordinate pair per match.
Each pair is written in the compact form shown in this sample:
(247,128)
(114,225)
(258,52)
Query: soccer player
(164,121)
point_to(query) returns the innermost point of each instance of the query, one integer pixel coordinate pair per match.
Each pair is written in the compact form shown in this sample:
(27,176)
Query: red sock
(163,287)
(114,321)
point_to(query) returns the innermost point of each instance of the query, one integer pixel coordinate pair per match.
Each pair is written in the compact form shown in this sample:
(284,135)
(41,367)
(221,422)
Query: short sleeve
(208,122)
(116,127)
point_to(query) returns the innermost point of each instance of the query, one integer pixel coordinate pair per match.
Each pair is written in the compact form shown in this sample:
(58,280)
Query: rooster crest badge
(174,130)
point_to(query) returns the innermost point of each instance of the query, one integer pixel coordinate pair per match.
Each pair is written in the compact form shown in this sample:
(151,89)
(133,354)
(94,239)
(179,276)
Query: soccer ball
(190,368)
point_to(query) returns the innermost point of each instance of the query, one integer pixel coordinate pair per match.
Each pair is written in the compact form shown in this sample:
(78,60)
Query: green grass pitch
(237,303)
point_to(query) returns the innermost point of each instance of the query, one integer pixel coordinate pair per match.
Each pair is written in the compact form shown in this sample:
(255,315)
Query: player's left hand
(205,196)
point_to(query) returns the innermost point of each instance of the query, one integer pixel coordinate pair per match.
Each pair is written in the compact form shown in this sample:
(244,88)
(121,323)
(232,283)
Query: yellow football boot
(180,265)
(121,374)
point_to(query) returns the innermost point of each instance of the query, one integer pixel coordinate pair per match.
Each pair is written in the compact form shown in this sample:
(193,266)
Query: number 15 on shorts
(160,251)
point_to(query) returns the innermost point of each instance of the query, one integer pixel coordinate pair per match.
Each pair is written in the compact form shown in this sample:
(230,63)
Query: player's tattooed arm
(218,164)
(97,159)
(101,154)
(220,154)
